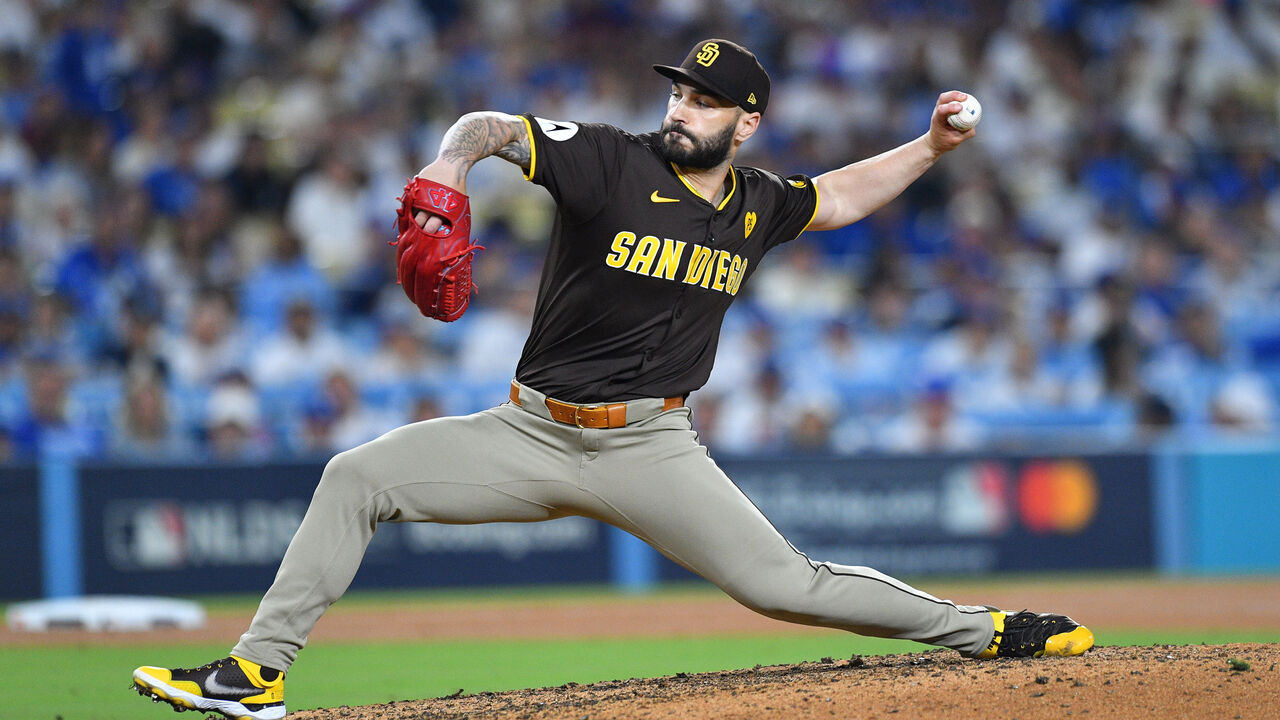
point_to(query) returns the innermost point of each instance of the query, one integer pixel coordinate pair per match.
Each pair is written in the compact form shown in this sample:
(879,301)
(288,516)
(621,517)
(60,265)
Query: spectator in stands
(12,328)
(174,187)
(47,423)
(863,368)
(255,185)
(708,410)
(15,310)
(1243,405)
(327,211)
(1095,248)
(1115,339)
(747,342)
(1022,385)
(137,345)
(314,436)
(12,229)
(1070,363)
(812,428)
(1159,291)
(198,252)
(50,335)
(425,407)
(490,344)
(354,421)
(303,352)
(1240,285)
(99,275)
(233,423)
(1154,417)
(757,418)
(1193,372)
(211,345)
(402,359)
(285,278)
(890,344)
(801,285)
(932,425)
(148,147)
(143,426)
(973,353)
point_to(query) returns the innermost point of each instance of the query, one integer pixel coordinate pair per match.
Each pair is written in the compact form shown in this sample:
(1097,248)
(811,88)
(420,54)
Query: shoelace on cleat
(1029,631)
(215,665)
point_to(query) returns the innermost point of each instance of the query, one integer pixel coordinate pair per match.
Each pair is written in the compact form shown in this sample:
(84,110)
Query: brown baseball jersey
(641,268)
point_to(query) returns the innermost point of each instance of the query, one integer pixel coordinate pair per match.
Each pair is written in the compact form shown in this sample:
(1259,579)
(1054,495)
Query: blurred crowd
(196,196)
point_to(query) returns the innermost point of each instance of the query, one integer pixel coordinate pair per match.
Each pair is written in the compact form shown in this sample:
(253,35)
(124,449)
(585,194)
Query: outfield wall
(159,529)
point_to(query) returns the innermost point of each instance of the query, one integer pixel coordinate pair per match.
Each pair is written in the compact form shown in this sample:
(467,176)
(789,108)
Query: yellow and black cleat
(1028,634)
(232,686)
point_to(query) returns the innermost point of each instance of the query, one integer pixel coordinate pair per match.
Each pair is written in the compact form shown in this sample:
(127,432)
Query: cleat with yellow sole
(234,687)
(1028,634)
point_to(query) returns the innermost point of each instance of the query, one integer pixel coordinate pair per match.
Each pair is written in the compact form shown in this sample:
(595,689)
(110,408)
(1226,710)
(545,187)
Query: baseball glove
(434,269)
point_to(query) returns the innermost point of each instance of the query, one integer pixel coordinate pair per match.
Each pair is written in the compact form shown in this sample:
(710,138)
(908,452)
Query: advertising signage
(225,529)
(958,514)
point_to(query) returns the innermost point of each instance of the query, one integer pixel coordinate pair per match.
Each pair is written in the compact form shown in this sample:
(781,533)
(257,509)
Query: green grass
(335,674)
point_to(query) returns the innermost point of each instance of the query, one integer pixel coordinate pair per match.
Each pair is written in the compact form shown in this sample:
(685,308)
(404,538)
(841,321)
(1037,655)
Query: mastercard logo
(1057,497)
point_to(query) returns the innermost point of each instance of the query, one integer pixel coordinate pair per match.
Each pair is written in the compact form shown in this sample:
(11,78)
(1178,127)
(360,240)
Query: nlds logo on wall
(170,535)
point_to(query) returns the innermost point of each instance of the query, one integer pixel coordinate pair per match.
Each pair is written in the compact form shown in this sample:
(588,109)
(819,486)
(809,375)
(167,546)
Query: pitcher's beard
(704,154)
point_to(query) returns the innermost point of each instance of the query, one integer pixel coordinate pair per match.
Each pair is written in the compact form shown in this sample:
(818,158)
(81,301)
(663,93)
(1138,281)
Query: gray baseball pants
(651,478)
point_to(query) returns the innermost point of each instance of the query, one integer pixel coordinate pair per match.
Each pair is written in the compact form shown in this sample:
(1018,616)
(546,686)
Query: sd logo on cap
(724,68)
(708,54)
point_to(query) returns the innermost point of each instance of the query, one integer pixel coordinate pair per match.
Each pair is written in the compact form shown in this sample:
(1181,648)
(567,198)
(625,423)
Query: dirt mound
(1197,681)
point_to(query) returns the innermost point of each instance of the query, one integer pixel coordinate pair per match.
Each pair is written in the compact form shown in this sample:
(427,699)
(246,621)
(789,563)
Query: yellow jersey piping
(817,202)
(533,149)
(732,187)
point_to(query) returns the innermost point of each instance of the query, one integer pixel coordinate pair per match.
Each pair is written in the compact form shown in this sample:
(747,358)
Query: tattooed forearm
(517,151)
(481,134)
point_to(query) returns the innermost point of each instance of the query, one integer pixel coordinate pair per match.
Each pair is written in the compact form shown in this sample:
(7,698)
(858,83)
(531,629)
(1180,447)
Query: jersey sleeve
(578,163)
(797,204)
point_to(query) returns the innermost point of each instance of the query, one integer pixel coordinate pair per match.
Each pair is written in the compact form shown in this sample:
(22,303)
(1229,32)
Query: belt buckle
(577,417)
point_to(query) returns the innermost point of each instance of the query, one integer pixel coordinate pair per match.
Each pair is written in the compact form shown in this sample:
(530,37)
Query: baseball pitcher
(654,237)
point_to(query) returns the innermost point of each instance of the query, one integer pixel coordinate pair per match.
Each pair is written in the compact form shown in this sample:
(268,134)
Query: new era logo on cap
(724,68)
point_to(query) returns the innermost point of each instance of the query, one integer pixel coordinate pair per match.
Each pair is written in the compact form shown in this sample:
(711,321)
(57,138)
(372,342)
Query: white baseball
(969,115)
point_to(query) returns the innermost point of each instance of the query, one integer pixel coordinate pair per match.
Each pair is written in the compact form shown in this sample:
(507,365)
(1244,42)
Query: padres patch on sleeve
(557,129)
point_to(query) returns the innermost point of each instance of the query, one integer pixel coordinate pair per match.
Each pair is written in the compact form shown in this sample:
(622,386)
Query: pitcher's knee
(346,475)
(775,600)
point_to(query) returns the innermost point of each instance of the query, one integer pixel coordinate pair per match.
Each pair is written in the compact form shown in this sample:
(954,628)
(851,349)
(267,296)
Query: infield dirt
(1164,682)
(1194,681)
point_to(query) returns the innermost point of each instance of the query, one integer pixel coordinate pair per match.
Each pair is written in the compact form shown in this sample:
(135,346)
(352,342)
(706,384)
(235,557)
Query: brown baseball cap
(726,69)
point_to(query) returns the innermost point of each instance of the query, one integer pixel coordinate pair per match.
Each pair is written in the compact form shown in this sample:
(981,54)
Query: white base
(105,613)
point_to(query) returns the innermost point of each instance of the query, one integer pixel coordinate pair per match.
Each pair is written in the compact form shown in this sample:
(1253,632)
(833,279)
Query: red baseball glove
(435,268)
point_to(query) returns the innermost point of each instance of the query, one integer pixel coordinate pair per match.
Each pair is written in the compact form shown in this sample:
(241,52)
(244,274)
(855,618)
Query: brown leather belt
(613,415)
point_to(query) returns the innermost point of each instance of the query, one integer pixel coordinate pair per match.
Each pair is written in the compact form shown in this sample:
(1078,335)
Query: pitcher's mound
(1193,681)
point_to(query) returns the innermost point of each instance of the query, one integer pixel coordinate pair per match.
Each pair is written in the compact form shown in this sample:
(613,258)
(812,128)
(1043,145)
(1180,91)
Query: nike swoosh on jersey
(655,197)
(213,687)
